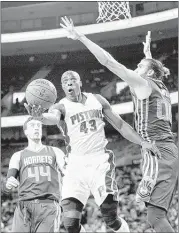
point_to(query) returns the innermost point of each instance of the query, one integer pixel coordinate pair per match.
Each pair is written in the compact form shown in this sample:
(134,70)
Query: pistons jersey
(84,125)
(153,115)
(39,175)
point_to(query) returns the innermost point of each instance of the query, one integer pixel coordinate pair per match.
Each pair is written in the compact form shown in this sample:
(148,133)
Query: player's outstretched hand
(34,110)
(146,44)
(12,183)
(69,27)
(147,146)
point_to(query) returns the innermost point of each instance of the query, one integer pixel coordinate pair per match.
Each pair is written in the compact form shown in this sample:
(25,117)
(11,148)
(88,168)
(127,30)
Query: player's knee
(71,224)
(72,210)
(155,215)
(109,213)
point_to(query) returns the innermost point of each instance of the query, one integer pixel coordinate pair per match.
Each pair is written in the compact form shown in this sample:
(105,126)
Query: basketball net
(110,11)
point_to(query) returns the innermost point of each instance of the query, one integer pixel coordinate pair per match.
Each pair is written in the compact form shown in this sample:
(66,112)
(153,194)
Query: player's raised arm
(129,76)
(52,117)
(124,128)
(146,44)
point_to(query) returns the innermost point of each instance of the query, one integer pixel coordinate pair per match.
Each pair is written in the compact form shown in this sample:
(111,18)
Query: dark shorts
(167,176)
(37,216)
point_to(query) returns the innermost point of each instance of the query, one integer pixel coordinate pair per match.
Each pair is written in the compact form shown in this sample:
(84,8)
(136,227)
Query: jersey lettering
(35,174)
(153,115)
(39,171)
(81,116)
(164,110)
(86,126)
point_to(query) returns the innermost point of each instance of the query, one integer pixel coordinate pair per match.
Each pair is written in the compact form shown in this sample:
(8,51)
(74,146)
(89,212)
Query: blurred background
(24,61)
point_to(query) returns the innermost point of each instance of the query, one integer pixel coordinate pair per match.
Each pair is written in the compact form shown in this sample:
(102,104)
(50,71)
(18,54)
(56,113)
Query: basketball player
(37,170)
(91,167)
(152,111)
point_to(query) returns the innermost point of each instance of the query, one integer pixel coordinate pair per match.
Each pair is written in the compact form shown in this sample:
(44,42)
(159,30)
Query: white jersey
(85,125)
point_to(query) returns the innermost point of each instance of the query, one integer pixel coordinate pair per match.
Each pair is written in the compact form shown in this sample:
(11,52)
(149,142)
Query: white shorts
(93,175)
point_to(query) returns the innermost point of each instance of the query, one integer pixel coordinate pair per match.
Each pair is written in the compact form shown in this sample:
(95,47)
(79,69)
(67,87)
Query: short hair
(70,73)
(25,123)
(159,69)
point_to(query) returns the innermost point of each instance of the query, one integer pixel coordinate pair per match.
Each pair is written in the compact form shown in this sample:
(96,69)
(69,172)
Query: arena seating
(128,177)
(93,81)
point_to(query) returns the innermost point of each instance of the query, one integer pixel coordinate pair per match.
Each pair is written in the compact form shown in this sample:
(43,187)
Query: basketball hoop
(110,11)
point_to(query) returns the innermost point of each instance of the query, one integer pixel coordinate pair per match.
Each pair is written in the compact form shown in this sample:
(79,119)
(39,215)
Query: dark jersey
(39,175)
(152,116)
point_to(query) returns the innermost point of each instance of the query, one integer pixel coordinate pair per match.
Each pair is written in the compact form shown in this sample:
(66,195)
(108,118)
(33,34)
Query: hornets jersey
(153,115)
(39,174)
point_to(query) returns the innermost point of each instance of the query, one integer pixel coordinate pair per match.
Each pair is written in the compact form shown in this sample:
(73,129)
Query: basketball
(41,92)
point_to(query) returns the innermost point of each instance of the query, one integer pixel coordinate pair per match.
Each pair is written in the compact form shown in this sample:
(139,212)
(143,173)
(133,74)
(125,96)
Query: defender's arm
(132,78)
(118,123)
(125,129)
(129,76)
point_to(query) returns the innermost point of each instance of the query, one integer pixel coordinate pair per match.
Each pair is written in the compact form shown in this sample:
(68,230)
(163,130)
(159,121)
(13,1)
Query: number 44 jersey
(39,174)
(84,125)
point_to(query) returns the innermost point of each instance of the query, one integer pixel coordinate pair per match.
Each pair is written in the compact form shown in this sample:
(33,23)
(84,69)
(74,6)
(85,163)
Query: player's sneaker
(124,227)
(82,229)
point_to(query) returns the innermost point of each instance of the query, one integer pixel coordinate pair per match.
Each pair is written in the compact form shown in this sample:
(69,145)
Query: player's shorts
(37,216)
(165,170)
(90,174)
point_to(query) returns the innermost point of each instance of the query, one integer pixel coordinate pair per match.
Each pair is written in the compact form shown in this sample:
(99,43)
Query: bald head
(71,84)
(70,73)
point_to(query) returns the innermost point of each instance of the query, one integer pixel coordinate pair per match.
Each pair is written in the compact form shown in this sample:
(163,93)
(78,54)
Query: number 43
(91,126)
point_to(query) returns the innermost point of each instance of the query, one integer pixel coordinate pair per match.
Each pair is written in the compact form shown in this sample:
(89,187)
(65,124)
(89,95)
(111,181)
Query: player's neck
(34,145)
(78,98)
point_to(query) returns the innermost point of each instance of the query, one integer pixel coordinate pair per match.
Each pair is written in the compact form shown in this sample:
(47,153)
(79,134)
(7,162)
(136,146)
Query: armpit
(58,106)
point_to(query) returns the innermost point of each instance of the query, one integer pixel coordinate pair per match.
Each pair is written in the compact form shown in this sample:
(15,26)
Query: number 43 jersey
(84,125)
(39,175)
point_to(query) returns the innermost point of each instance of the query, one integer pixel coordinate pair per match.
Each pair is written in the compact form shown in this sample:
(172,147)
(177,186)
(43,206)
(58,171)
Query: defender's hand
(147,146)
(34,110)
(146,44)
(69,27)
(12,183)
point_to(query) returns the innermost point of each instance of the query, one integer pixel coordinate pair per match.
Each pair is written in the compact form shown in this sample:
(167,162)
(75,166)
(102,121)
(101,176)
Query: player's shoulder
(98,97)
(103,101)
(58,106)
(57,151)
(63,100)
(60,157)
(144,91)
(17,155)
(156,84)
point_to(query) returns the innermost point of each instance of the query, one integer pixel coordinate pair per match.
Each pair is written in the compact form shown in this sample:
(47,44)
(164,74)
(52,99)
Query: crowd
(134,213)
(128,176)
(128,172)
(95,80)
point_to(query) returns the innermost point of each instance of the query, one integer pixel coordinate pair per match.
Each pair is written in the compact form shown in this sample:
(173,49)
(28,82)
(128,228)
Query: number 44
(38,172)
